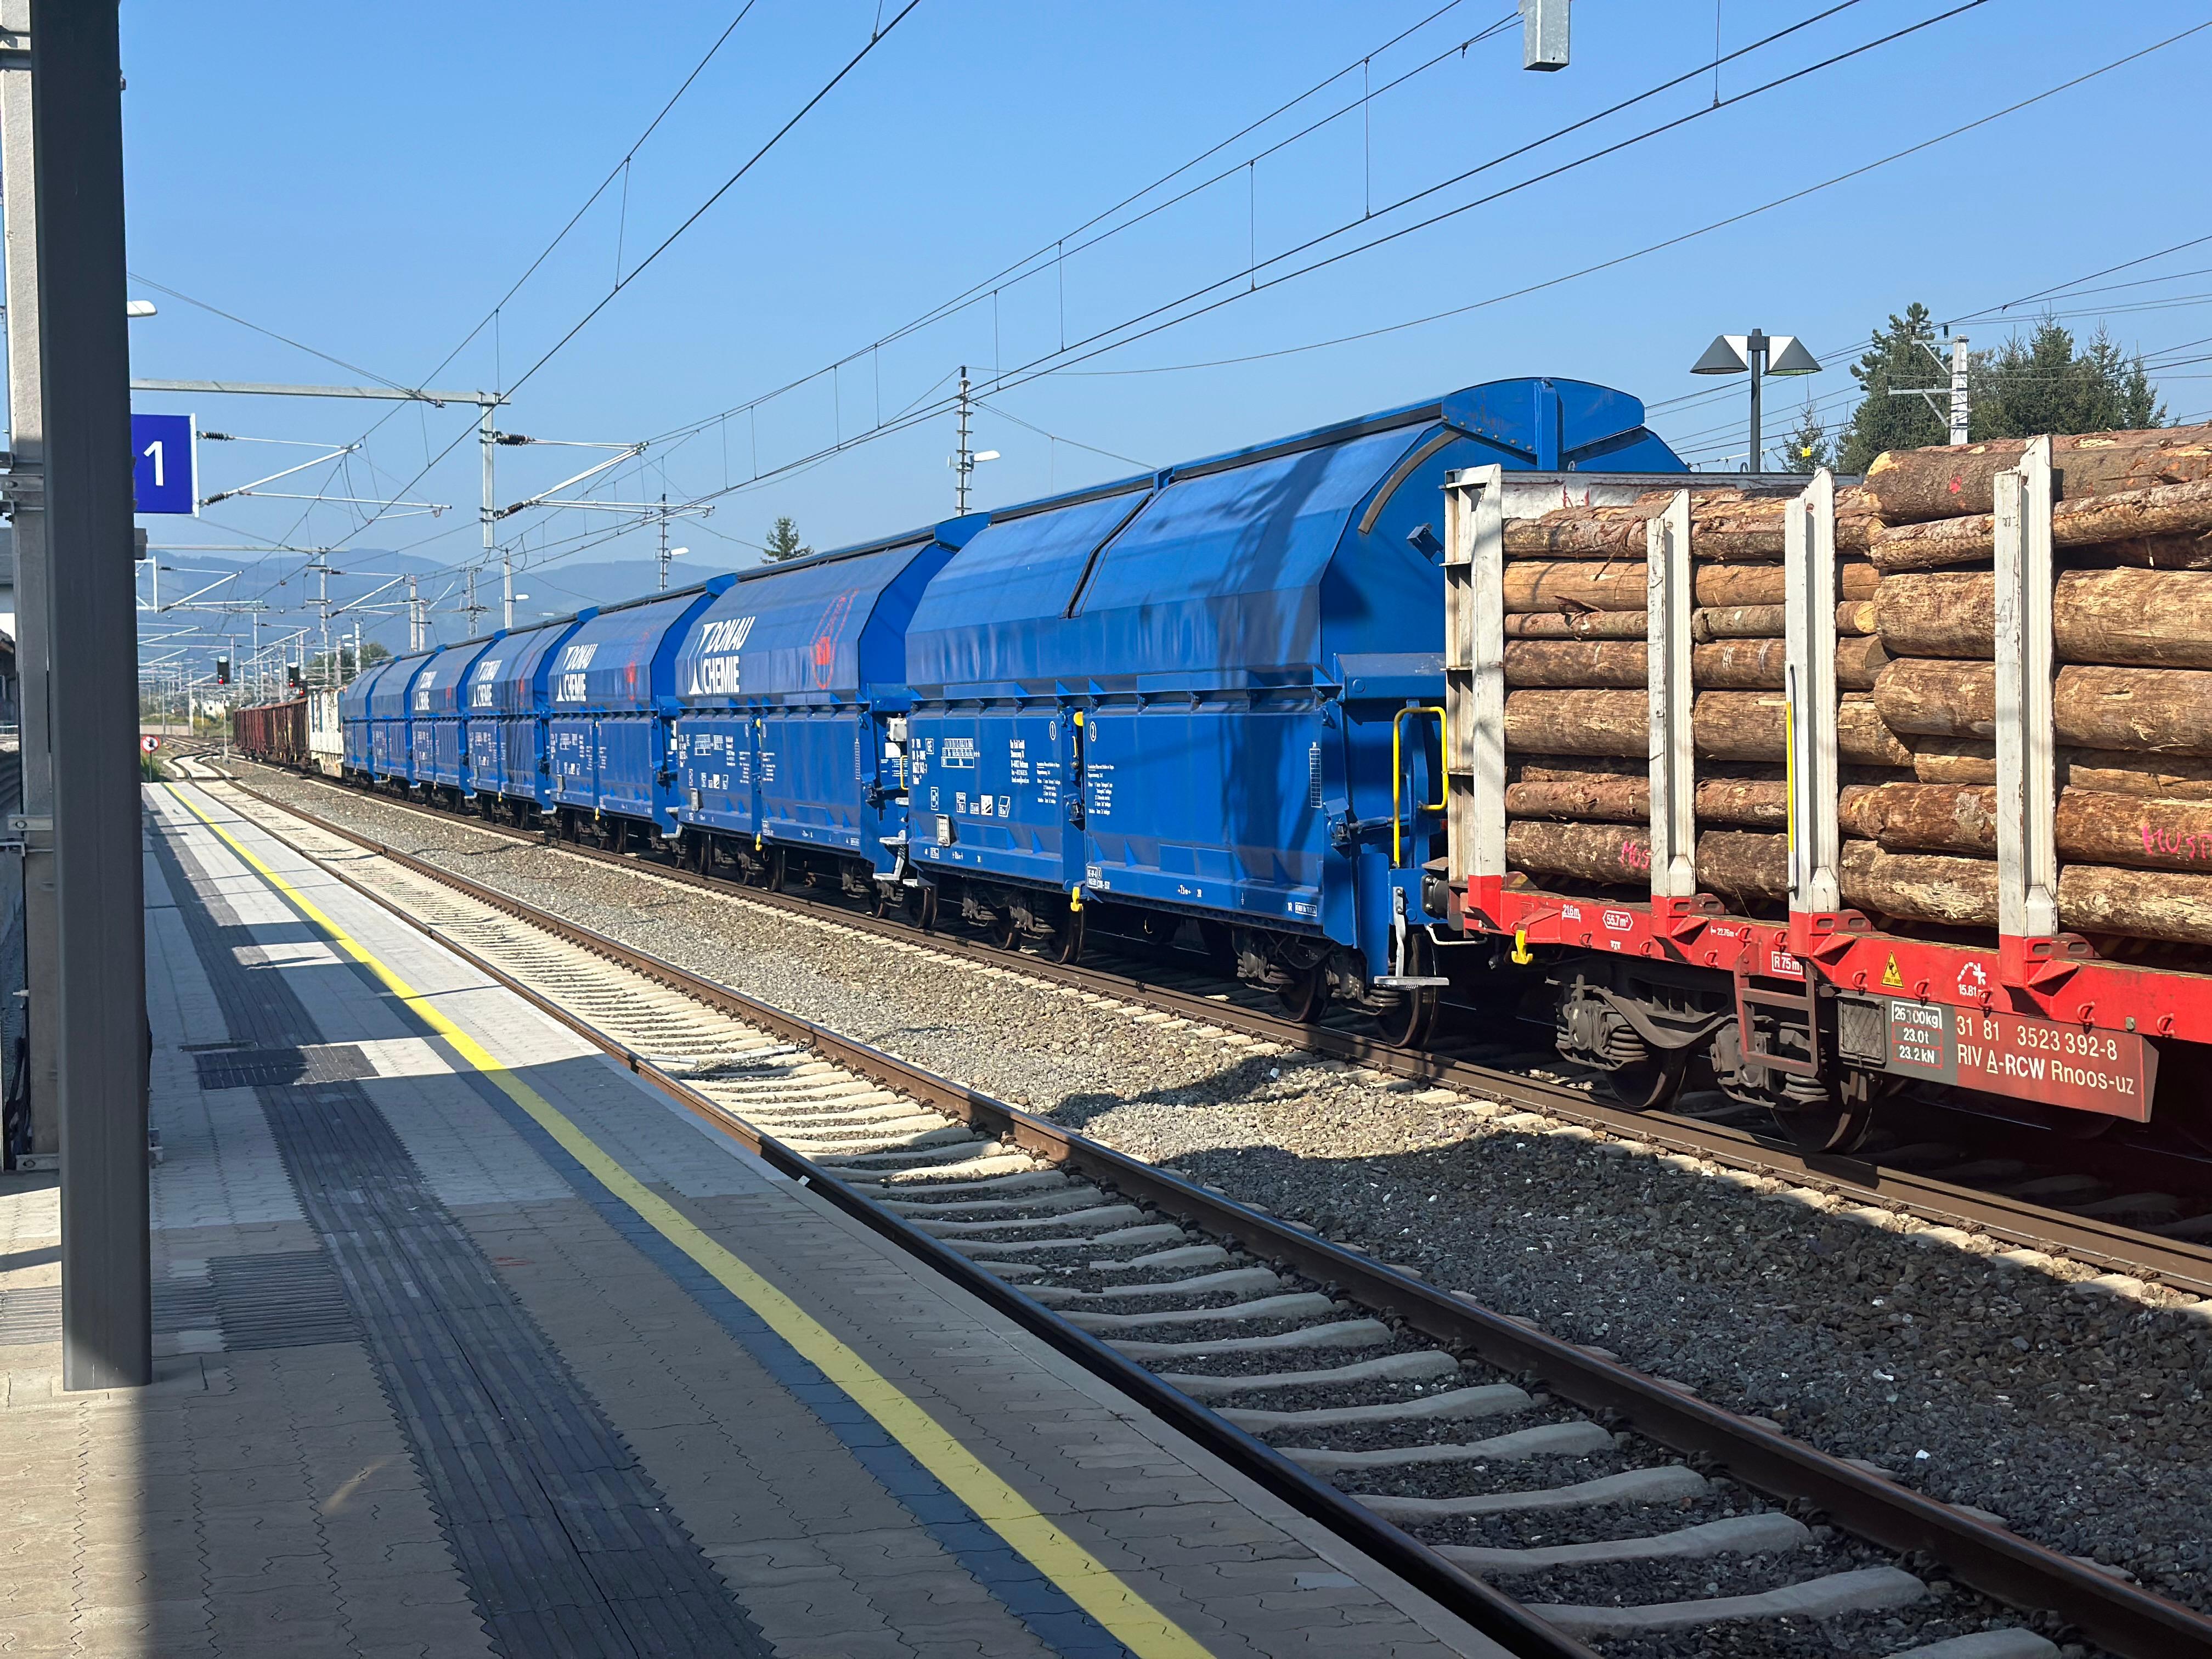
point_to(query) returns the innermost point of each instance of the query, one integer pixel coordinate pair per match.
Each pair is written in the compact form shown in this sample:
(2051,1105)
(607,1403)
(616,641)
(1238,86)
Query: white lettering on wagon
(714,668)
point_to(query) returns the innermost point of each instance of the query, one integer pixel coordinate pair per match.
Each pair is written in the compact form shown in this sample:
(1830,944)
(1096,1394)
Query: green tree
(1808,448)
(783,542)
(2043,384)
(1896,358)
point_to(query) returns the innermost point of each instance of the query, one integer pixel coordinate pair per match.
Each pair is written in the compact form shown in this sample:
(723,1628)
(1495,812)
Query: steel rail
(2113,1612)
(2018,1222)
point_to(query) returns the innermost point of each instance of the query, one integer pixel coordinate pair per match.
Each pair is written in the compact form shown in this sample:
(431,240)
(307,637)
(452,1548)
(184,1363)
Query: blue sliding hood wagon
(609,728)
(440,717)
(1211,695)
(506,716)
(790,747)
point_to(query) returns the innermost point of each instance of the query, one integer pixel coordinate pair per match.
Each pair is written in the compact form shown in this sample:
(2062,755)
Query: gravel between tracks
(2078,1414)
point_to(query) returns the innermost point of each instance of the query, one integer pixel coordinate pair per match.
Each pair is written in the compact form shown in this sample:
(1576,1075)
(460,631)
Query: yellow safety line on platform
(1088,1582)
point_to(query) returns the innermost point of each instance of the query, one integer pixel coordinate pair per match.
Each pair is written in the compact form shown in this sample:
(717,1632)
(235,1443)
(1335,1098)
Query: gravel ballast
(2076,1412)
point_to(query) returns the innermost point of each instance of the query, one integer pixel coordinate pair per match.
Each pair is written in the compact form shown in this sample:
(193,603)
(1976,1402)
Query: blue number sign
(164,464)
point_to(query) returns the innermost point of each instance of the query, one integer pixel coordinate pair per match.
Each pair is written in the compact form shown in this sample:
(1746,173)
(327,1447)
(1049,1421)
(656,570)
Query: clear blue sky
(370,183)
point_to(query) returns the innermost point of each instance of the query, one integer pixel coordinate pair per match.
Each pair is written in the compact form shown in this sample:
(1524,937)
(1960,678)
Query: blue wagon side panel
(440,714)
(610,703)
(354,719)
(392,749)
(507,717)
(782,737)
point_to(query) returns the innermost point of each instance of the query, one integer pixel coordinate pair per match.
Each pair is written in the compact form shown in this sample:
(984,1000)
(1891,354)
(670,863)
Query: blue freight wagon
(355,722)
(391,703)
(507,691)
(610,722)
(438,718)
(1212,695)
(790,747)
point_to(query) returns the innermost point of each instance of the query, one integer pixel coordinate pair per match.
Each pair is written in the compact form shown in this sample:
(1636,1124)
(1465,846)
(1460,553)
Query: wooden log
(1578,723)
(1724,525)
(1570,768)
(1748,726)
(1592,797)
(2172,905)
(2166,525)
(1958,892)
(1737,803)
(1738,665)
(1949,481)
(1576,625)
(1738,622)
(1859,662)
(1576,662)
(1726,725)
(2137,710)
(1614,856)
(1973,761)
(2131,618)
(1565,584)
(2137,904)
(2094,827)
(2148,553)
(1731,664)
(1854,617)
(1733,863)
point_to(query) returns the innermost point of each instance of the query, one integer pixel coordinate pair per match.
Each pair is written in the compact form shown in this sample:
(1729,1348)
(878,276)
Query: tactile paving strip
(287,1300)
(252,1068)
(568,1547)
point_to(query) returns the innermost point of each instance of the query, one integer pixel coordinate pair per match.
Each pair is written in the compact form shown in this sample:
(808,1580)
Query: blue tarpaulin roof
(612,659)
(1261,566)
(518,664)
(438,686)
(822,628)
(387,698)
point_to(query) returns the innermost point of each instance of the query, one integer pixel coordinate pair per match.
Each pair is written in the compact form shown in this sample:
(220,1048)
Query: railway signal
(222,671)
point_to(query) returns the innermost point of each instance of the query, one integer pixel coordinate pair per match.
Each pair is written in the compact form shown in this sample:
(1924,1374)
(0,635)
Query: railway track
(2125,1210)
(1465,1450)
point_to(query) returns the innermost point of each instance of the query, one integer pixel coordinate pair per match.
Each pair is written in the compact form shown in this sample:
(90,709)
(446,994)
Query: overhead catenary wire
(690,219)
(1249,273)
(1037,370)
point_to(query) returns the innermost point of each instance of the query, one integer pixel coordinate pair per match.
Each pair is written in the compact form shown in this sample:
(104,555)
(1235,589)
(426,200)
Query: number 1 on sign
(154,450)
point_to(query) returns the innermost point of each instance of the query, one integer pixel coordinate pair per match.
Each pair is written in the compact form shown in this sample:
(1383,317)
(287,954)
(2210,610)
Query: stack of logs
(1915,628)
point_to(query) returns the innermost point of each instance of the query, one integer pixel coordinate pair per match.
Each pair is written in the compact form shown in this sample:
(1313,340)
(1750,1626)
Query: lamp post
(1762,354)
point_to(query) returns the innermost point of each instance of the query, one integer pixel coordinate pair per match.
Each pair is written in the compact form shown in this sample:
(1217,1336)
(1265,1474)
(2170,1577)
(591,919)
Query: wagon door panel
(1216,807)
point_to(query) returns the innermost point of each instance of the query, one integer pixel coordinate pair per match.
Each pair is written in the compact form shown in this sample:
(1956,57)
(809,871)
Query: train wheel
(1307,994)
(1835,1127)
(922,908)
(1408,1024)
(1005,932)
(1650,1083)
(1066,944)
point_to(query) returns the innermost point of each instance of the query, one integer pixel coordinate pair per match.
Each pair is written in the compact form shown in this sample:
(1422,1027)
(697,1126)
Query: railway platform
(470,1342)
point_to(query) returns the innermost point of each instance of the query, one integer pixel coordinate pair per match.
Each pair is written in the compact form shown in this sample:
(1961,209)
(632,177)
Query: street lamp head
(1786,355)
(678,552)
(985,455)
(139,308)
(1728,354)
